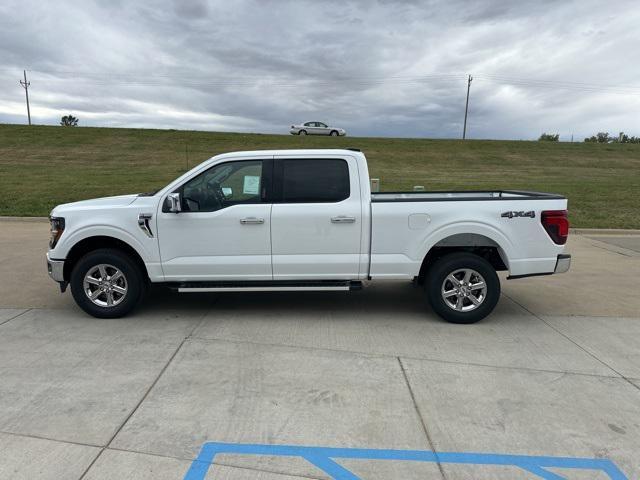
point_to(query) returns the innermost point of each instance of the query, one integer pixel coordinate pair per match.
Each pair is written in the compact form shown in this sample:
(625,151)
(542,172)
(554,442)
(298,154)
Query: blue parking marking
(323,458)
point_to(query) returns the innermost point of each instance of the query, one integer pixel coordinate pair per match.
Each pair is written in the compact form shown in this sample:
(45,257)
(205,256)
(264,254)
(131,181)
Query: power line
(25,85)
(253,81)
(562,82)
(561,85)
(252,77)
(201,80)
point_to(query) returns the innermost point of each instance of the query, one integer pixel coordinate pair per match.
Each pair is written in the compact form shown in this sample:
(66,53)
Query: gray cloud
(376,68)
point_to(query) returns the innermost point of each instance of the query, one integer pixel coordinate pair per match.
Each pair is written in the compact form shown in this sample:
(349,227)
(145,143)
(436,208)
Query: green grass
(42,166)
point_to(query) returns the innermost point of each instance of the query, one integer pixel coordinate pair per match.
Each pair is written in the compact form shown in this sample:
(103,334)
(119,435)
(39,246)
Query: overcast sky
(375,68)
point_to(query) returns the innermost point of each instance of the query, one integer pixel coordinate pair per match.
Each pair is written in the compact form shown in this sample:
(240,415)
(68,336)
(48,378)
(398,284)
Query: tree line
(600,137)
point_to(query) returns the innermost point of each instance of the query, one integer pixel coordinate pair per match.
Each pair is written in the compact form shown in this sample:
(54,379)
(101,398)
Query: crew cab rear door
(316,218)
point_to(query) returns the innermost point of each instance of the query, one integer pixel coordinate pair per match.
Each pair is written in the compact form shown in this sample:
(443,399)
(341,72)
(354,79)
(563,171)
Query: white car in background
(316,128)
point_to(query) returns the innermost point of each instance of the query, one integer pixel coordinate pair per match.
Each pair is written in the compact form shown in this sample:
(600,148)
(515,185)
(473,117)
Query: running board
(268,286)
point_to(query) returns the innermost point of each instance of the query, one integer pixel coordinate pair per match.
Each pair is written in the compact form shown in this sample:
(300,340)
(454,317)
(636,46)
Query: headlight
(57,227)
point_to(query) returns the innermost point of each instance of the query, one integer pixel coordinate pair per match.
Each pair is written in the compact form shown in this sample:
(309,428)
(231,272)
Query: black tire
(449,264)
(135,283)
(334,133)
(302,132)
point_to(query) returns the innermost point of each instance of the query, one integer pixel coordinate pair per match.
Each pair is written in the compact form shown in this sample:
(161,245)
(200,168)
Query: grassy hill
(42,166)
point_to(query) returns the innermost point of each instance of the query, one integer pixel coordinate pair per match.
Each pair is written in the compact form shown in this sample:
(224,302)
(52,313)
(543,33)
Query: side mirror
(175,206)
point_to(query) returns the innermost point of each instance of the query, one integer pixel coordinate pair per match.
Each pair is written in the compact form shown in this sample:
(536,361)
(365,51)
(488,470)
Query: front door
(322,129)
(223,230)
(316,219)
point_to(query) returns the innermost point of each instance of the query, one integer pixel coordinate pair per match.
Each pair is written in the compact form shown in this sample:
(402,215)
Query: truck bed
(404,225)
(468,195)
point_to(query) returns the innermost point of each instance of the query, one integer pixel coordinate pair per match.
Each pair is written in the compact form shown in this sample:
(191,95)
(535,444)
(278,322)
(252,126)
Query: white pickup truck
(303,220)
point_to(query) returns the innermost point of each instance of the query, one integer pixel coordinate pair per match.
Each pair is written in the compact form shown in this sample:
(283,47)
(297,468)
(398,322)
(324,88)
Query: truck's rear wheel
(106,283)
(462,287)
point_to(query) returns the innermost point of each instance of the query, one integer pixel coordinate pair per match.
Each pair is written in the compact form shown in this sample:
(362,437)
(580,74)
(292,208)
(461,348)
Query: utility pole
(25,85)
(466,109)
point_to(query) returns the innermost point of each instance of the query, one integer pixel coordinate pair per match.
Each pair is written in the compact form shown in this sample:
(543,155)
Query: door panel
(223,232)
(216,245)
(321,239)
(318,129)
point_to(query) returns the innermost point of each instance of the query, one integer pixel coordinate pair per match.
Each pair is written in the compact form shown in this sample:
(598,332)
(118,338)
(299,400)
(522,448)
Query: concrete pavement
(555,371)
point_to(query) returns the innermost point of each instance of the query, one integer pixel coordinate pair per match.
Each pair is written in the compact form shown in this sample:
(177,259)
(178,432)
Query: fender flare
(505,246)
(90,231)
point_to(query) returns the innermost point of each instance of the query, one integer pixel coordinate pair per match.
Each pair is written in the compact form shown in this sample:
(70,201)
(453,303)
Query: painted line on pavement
(323,458)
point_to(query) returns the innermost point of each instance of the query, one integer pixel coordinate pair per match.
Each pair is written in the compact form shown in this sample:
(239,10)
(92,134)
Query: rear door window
(314,180)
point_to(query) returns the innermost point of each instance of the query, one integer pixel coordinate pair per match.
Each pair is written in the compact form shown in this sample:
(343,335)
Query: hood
(104,202)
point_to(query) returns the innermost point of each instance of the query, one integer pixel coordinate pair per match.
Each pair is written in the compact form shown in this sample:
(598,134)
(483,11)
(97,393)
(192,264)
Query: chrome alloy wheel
(105,285)
(464,290)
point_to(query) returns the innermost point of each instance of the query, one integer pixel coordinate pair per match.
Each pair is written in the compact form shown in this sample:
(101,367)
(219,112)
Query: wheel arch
(96,242)
(475,243)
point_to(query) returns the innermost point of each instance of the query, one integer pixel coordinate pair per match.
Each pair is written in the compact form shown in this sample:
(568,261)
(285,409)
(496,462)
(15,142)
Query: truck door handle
(251,221)
(343,219)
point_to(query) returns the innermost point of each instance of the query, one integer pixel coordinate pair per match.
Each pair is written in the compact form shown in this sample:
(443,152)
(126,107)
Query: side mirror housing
(175,206)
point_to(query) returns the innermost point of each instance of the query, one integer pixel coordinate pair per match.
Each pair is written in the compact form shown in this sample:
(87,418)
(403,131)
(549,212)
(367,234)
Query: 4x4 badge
(530,214)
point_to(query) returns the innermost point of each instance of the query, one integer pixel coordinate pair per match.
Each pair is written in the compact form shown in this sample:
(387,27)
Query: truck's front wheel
(106,283)
(462,287)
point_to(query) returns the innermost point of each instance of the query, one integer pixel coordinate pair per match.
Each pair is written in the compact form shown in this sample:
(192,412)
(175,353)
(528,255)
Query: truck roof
(305,151)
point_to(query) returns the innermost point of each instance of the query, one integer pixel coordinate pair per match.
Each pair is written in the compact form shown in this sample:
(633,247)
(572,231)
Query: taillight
(556,223)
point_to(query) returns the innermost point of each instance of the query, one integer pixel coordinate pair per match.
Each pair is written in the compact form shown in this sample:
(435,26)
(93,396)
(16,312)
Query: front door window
(222,186)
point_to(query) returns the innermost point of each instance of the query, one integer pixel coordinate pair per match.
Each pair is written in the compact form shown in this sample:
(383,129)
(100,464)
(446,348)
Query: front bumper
(563,263)
(55,269)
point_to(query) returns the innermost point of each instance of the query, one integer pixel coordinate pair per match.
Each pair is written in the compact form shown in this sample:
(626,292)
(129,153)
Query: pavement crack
(48,439)
(221,464)
(389,355)
(16,316)
(612,247)
(422,421)
(147,392)
(265,470)
(612,251)
(581,347)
